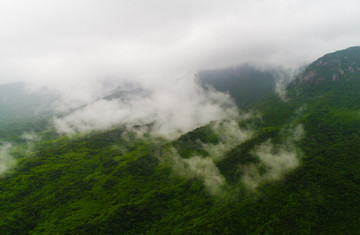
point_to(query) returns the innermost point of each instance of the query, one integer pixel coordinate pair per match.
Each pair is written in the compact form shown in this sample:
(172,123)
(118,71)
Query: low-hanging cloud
(230,135)
(275,159)
(31,138)
(6,160)
(8,150)
(171,110)
(283,77)
(205,168)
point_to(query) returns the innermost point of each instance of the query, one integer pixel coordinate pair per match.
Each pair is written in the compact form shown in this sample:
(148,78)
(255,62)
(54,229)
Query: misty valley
(239,150)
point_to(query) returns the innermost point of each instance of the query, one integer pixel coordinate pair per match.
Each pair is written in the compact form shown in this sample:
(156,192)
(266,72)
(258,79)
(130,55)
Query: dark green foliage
(143,166)
(191,143)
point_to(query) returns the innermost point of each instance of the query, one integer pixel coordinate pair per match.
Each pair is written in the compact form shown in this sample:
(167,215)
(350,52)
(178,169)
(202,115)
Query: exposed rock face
(333,67)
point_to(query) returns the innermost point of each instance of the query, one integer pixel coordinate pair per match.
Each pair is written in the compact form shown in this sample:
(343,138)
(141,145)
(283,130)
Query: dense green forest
(292,167)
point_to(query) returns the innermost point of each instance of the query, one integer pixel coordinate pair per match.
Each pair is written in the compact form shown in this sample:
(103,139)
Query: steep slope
(292,167)
(328,91)
(334,76)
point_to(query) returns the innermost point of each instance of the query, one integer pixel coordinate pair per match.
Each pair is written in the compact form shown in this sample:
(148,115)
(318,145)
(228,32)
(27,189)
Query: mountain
(291,167)
(126,91)
(22,110)
(17,100)
(245,83)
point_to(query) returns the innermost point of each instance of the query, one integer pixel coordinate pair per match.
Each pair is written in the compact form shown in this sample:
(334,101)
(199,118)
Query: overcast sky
(68,42)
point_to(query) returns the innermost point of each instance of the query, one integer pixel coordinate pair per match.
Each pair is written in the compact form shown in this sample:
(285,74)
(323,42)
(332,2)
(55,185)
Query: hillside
(16,100)
(245,83)
(290,166)
(23,110)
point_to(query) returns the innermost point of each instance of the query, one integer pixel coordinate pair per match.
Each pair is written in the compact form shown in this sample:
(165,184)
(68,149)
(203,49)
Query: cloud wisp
(205,168)
(275,159)
(7,161)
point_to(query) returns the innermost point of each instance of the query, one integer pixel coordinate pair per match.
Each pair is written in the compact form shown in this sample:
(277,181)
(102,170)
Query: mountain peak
(339,65)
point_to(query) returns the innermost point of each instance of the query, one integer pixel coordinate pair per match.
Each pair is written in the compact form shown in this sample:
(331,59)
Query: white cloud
(230,135)
(6,160)
(63,43)
(275,160)
(173,109)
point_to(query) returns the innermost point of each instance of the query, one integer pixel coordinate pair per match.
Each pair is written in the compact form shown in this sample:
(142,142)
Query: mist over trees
(179,117)
(276,165)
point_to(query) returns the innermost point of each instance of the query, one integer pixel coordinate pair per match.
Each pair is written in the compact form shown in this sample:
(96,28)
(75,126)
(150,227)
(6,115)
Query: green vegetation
(114,182)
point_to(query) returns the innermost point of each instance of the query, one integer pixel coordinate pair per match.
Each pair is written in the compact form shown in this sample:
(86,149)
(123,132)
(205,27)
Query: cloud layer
(84,49)
(171,110)
(66,44)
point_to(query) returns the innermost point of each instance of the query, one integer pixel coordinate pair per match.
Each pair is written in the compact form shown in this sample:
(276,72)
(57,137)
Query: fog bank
(170,109)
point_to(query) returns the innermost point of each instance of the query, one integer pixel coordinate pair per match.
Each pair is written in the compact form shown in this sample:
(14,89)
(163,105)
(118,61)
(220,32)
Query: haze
(85,49)
(58,43)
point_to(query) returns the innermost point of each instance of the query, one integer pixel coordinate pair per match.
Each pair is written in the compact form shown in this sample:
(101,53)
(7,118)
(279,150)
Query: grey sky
(73,46)
(64,43)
